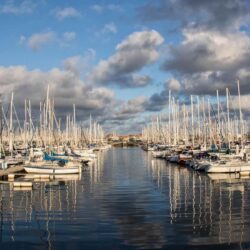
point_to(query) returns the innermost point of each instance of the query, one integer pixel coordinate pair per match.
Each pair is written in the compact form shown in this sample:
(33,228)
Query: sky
(117,60)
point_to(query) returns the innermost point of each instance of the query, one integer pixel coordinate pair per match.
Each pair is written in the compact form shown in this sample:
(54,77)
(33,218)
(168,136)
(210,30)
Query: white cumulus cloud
(132,54)
(99,8)
(17,7)
(109,28)
(80,64)
(38,40)
(68,12)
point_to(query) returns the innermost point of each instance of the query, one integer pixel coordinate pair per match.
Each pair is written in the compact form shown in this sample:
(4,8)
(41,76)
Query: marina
(183,182)
(127,200)
(125,125)
(200,136)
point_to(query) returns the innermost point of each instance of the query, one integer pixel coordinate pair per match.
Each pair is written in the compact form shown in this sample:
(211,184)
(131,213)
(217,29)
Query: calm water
(128,201)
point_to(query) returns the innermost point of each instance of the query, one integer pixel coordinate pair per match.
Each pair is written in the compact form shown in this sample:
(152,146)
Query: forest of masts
(202,123)
(47,130)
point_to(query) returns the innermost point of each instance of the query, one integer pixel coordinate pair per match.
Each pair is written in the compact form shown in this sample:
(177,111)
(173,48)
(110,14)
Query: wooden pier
(11,170)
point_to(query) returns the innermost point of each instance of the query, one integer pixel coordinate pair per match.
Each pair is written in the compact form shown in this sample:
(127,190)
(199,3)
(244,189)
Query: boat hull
(228,169)
(52,170)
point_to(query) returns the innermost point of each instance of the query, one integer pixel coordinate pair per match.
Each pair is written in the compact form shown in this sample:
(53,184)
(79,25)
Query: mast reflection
(211,208)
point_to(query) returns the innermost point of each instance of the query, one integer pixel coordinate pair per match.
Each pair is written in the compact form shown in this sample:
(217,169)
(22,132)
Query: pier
(11,170)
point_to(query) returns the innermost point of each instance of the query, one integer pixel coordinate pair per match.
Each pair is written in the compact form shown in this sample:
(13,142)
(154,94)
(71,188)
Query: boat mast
(192,120)
(169,117)
(1,126)
(209,122)
(90,129)
(204,123)
(74,122)
(25,124)
(218,111)
(228,118)
(199,125)
(11,126)
(241,127)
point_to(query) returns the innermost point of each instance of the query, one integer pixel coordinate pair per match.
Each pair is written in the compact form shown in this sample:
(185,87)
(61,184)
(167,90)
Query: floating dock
(11,170)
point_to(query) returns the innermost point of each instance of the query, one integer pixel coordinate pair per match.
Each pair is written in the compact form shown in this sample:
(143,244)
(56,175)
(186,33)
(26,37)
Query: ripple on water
(128,201)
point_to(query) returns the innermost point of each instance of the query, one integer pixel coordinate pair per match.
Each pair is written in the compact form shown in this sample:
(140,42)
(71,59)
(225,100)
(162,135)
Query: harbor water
(127,200)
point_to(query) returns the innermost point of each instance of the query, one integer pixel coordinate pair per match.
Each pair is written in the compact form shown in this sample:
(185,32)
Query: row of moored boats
(236,160)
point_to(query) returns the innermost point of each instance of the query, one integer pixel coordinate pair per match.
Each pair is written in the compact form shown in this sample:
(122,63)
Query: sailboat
(36,169)
(52,165)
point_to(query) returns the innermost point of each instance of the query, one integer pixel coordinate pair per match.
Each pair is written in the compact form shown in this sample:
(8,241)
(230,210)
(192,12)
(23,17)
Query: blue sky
(74,45)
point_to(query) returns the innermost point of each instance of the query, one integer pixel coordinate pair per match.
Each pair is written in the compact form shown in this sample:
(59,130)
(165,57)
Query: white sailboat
(49,169)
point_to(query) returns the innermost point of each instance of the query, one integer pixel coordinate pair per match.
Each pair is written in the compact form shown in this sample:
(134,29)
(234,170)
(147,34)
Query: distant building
(131,138)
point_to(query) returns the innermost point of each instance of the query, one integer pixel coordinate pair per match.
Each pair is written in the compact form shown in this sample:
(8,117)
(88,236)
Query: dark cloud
(206,50)
(129,80)
(133,106)
(207,60)
(211,14)
(157,101)
(127,127)
(214,51)
(208,83)
(66,89)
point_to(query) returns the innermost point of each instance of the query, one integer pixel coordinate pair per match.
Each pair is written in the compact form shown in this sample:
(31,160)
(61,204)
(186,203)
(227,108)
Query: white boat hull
(52,170)
(233,168)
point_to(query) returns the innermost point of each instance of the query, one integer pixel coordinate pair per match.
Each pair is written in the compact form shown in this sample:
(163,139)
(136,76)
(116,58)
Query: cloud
(109,7)
(66,89)
(245,103)
(109,28)
(206,50)
(80,64)
(203,85)
(207,60)
(69,36)
(98,8)
(173,84)
(125,116)
(157,101)
(17,7)
(38,40)
(22,39)
(214,50)
(207,83)
(213,14)
(133,106)
(68,12)
(132,54)
(140,80)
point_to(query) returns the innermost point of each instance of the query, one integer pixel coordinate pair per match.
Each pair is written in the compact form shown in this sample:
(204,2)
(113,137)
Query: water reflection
(211,209)
(126,200)
(22,207)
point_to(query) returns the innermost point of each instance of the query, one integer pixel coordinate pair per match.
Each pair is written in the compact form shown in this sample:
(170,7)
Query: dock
(11,170)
